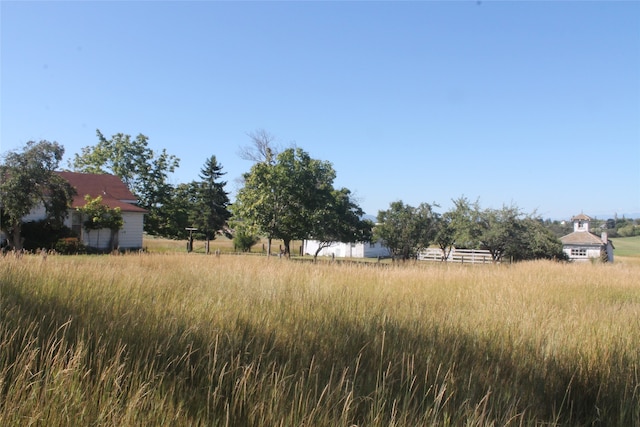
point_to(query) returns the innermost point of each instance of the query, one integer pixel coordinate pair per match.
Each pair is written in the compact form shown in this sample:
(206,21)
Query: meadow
(194,340)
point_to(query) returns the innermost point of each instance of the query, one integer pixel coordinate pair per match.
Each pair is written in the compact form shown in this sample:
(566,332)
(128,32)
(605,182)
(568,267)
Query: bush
(43,234)
(629,231)
(69,246)
(242,241)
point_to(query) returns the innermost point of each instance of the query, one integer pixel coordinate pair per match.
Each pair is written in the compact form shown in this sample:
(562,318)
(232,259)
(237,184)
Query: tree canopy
(281,199)
(405,229)
(340,219)
(27,178)
(144,171)
(209,211)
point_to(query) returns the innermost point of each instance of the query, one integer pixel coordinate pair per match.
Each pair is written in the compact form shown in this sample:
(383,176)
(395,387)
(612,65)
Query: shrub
(243,241)
(43,234)
(69,246)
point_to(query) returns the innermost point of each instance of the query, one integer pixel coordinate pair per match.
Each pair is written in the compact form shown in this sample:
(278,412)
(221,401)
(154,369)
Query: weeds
(232,341)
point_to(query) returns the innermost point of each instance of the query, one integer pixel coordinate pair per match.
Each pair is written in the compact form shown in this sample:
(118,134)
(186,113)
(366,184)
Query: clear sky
(535,104)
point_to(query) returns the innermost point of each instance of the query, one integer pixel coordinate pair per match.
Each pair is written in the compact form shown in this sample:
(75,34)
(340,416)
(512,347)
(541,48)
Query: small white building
(114,194)
(582,245)
(346,250)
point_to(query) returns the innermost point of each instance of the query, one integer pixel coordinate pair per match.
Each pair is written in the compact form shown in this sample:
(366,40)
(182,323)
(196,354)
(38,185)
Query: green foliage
(629,230)
(208,212)
(69,246)
(281,199)
(464,219)
(27,178)
(445,235)
(144,171)
(243,240)
(98,216)
(339,219)
(43,234)
(406,229)
(505,233)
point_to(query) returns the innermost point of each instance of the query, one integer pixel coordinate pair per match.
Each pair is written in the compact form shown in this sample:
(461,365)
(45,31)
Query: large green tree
(405,229)
(209,212)
(500,229)
(145,172)
(28,178)
(280,198)
(340,219)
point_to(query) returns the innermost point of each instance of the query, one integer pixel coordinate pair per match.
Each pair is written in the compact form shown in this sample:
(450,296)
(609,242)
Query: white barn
(346,250)
(582,245)
(114,194)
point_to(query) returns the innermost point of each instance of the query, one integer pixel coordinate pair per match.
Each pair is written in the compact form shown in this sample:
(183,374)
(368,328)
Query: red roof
(114,192)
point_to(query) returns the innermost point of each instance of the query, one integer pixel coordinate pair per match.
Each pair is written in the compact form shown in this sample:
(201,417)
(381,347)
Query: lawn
(186,340)
(627,246)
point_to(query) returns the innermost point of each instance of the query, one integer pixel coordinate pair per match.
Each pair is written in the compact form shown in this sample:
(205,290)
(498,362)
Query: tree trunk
(113,240)
(286,242)
(16,237)
(269,246)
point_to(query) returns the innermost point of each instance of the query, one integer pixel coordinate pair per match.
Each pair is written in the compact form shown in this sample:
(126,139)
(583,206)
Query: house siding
(582,252)
(347,250)
(130,237)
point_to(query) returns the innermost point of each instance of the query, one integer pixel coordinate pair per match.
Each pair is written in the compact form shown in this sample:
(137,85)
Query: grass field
(186,340)
(627,246)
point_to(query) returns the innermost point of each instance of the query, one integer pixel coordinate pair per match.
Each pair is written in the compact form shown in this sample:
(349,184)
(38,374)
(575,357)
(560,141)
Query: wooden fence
(473,256)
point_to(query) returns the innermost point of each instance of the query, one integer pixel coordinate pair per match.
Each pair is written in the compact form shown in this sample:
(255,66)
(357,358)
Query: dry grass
(232,340)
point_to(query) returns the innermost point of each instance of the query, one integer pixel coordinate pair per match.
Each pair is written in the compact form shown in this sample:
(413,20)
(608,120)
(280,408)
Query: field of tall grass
(187,340)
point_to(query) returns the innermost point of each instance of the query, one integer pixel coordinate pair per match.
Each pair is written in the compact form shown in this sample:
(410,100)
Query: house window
(578,252)
(372,245)
(76,223)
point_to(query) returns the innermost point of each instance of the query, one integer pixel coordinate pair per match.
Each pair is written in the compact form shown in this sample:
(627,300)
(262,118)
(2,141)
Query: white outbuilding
(582,245)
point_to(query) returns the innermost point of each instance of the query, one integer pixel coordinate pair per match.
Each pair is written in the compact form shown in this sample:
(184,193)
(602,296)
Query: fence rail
(473,256)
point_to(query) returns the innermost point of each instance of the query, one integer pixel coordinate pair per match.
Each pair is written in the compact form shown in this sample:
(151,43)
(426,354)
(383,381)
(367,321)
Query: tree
(177,211)
(509,233)
(280,199)
(143,171)
(340,220)
(210,213)
(262,148)
(99,216)
(445,234)
(538,242)
(243,238)
(405,229)
(28,178)
(465,221)
(500,230)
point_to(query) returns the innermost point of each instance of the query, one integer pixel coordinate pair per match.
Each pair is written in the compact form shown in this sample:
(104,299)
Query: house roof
(114,192)
(581,238)
(581,217)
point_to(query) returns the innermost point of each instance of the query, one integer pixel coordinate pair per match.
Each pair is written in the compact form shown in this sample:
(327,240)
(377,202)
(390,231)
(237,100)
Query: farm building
(582,245)
(346,250)
(114,194)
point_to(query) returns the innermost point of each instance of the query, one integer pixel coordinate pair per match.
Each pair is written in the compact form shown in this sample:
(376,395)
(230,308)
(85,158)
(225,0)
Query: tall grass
(230,341)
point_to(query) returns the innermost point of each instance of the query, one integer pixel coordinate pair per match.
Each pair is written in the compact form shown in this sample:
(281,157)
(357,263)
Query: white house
(582,245)
(346,250)
(114,194)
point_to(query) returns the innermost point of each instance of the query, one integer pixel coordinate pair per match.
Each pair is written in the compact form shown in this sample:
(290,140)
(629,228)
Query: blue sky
(535,104)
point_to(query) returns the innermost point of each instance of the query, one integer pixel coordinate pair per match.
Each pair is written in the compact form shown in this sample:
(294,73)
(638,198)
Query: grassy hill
(627,246)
